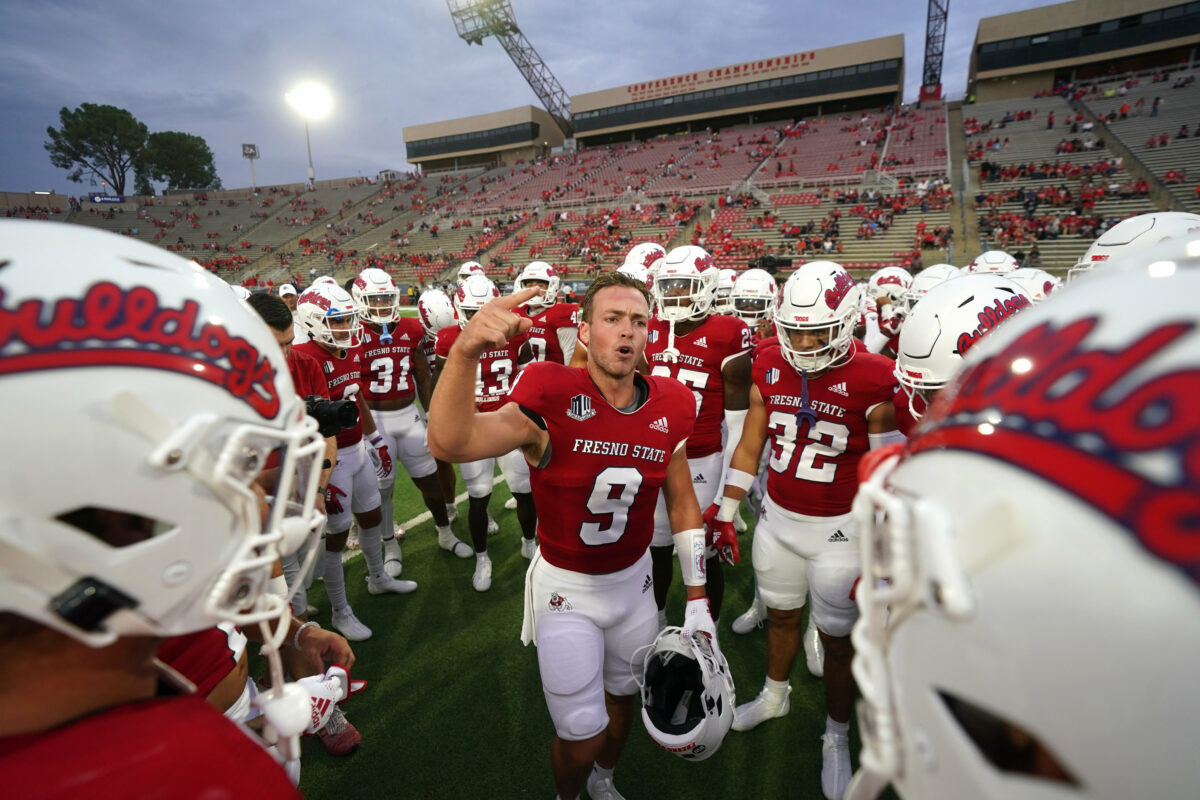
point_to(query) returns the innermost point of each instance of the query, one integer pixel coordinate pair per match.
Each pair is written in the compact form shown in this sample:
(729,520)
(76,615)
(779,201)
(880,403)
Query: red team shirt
(496,372)
(341,375)
(596,493)
(204,657)
(307,375)
(387,368)
(813,467)
(543,334)
(177,747)
(702,354)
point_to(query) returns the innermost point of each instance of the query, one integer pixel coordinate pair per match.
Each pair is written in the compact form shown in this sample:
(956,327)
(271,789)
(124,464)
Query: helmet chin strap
(806,413)
(672,352)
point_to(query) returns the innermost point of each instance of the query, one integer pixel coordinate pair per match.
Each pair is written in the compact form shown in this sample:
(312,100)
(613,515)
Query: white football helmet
(240,292)
(638,273)
(539,271)
(1142,231)
(325,280)
(754,296)
(435,310)
(646,254)
(685,283)
(329,316)
(892,281)
(1037,283)
(687,695)
(942,328)
(376,296)
(470,268)
(1046,503)
(473,294)
(925,280)
(722,303)
(993,261)
(819,298)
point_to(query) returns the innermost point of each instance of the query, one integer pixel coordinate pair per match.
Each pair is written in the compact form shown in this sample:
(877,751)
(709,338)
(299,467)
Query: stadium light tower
(935,46)
(312,101)
(475,20)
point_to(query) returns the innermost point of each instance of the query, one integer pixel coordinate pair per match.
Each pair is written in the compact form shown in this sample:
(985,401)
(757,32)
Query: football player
(601,442)
(170,395)
(822,405)
(497,369)
(331,320)
(886,287)
(397,372)
(710,355)
(436,311)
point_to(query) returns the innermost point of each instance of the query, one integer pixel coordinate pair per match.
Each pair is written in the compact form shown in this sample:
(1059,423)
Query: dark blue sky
(219,69)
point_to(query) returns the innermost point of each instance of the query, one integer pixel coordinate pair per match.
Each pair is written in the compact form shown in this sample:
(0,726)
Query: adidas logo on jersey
(404,338)
(840,388)
(702,341)
(699,478)
(647,584)
(660,425)
(838,536)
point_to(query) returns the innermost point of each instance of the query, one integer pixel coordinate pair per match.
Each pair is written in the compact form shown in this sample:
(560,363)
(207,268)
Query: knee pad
(570,659)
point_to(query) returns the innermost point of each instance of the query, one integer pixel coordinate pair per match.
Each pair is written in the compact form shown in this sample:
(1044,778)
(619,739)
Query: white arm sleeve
(734,422)
(567,337)
(878,440)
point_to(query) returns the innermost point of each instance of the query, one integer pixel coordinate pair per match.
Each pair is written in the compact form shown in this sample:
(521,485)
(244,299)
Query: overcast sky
(219,69)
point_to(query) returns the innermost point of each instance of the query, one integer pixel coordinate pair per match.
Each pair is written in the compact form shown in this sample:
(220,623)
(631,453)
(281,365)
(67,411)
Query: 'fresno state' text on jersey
(388,367)
(596,496)
(814,462)
(344,377)
(543,334)
(495,372)
(702,355)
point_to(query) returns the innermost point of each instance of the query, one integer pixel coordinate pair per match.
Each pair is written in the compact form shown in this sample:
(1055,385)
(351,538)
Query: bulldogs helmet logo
(704,262)
(651,257)
(842,284)
(316,298)
(989,318)
(94,330)
(1079,420)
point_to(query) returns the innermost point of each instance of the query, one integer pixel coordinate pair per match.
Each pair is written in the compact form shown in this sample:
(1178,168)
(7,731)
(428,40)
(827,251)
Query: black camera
(332,416)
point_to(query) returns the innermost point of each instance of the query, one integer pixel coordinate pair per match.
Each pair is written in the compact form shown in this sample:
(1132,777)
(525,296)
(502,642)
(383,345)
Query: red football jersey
(702,354)
(814,462)
(306,373)
(205,657)
(543,335)
(387,368)
(495,373)
(178,747)
(428,346)
(906,423)
(596,495)
(343,375)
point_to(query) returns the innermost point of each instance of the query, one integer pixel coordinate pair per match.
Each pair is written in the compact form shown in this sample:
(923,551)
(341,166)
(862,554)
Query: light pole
(312,101)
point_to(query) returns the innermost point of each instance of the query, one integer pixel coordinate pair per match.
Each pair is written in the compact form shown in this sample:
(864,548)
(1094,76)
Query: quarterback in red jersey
(497,370)
(820,405)
(154,527)
(710,355)
(608,440)
(330,318)
(396,373)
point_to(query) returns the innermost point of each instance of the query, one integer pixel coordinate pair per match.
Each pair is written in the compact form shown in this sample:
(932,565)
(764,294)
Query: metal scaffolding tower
(935,46)
(475,20)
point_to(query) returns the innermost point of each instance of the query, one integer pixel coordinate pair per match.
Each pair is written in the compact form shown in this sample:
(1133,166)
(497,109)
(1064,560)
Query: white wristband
(690,545)
(296,636)
(740,479)
(375,439)
(729,507)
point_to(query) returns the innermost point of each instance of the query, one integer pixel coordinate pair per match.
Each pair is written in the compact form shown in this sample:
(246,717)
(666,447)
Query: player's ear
(585,334)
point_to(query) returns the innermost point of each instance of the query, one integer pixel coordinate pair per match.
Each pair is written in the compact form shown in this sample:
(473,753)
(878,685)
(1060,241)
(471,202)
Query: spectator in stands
(1154,106)
(1183,132)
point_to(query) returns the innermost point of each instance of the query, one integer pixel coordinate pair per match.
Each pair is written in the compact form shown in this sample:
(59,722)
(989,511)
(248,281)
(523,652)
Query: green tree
(104,141)
(181,160)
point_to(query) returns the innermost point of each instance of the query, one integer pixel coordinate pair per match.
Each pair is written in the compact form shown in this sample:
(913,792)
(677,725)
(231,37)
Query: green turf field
(454,707)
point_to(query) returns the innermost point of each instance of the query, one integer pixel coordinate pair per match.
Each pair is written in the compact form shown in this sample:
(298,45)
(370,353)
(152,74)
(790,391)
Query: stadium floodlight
(475,20)
(312,101)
